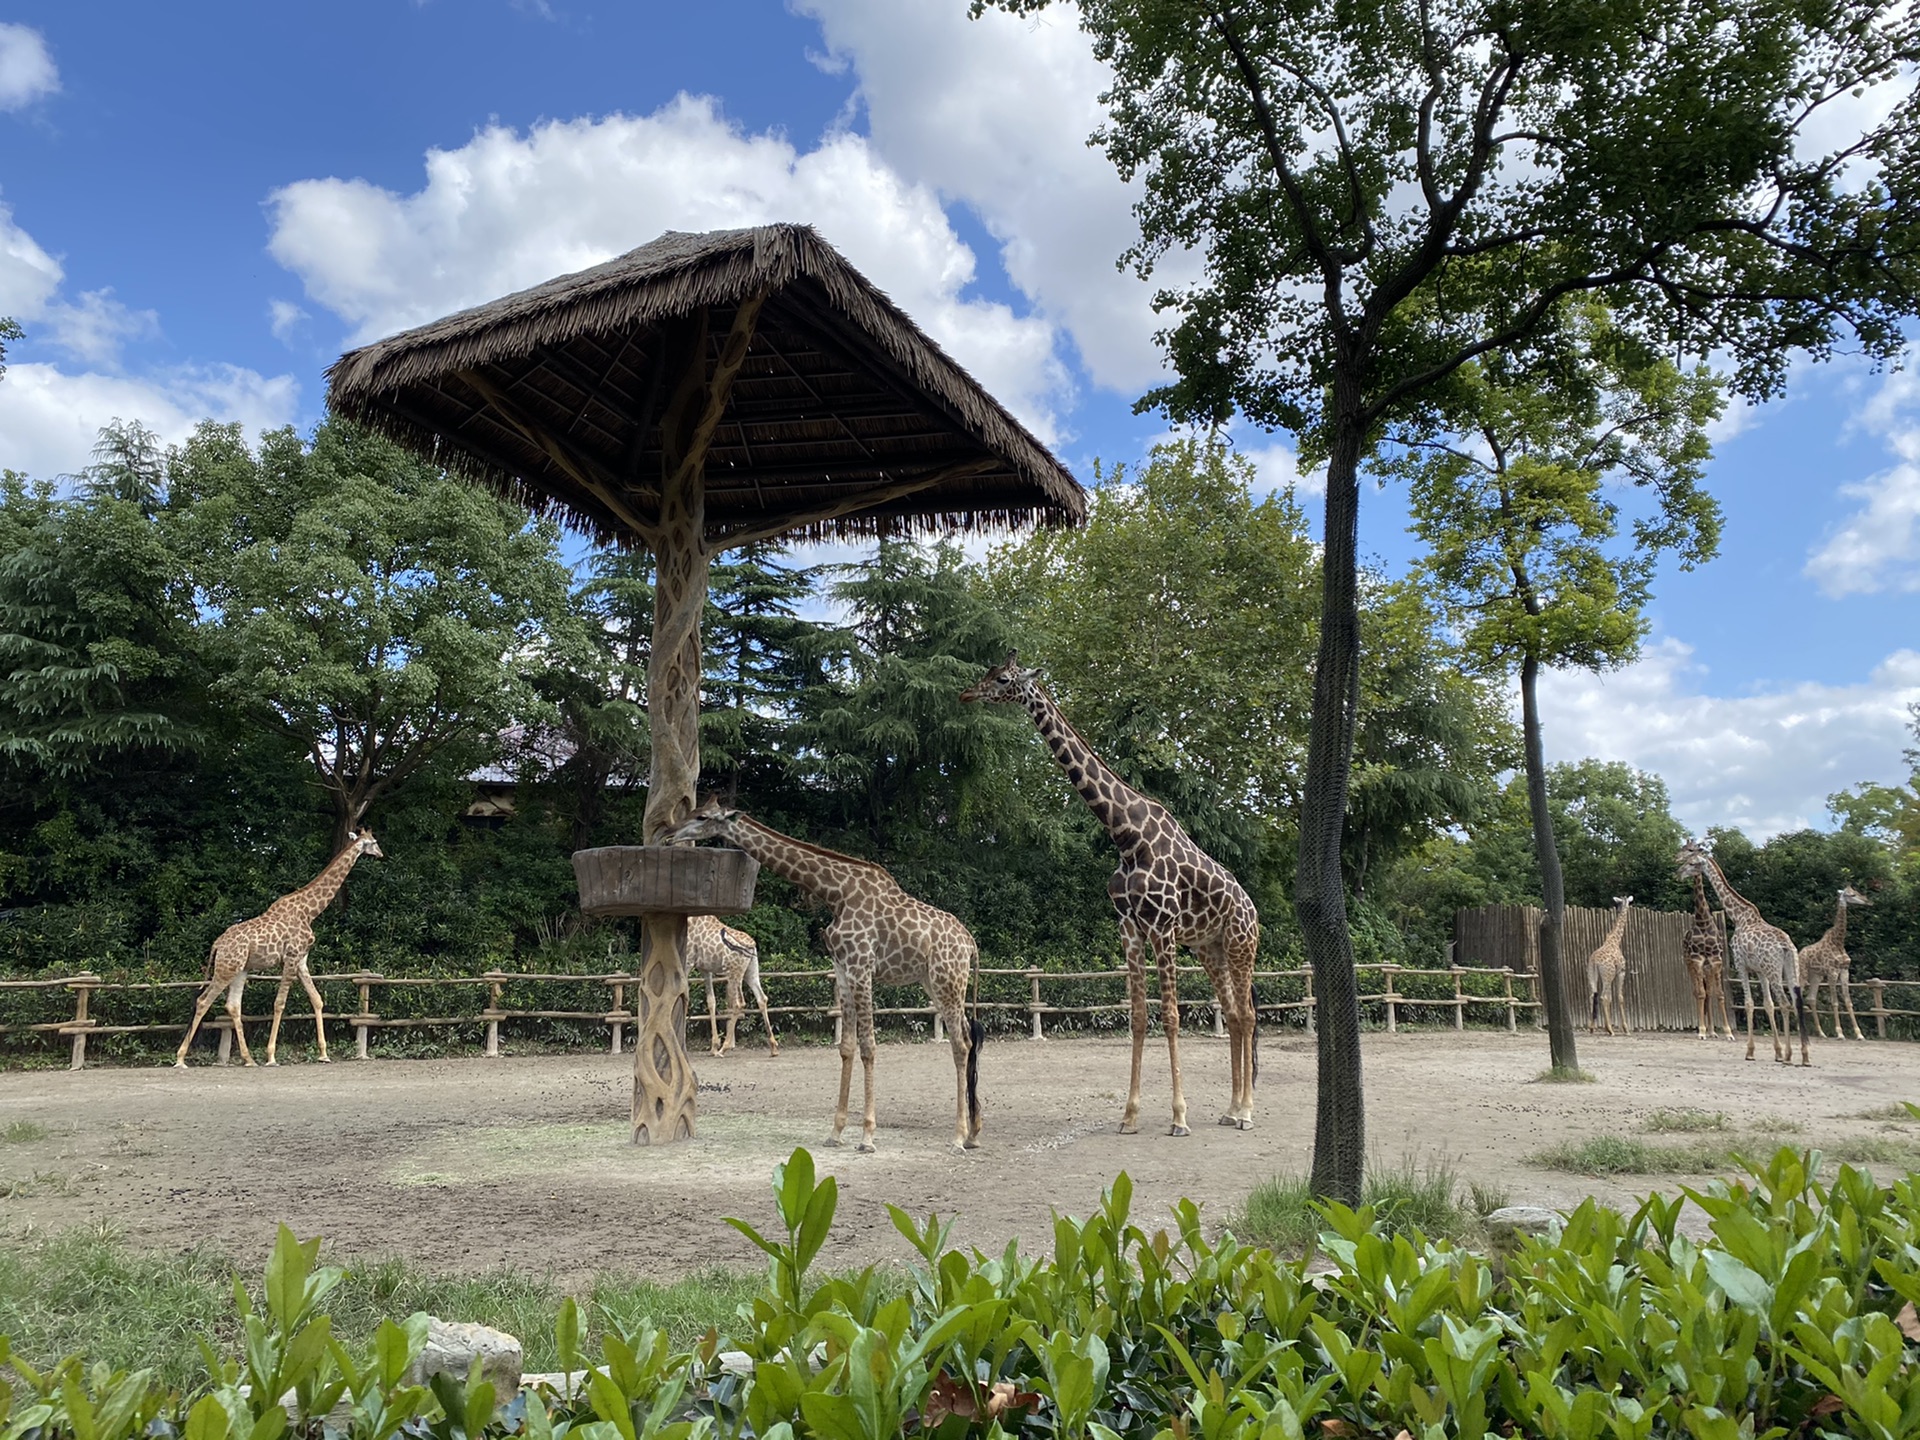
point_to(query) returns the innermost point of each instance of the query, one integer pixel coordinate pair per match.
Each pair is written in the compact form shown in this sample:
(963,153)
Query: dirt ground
(466,1163)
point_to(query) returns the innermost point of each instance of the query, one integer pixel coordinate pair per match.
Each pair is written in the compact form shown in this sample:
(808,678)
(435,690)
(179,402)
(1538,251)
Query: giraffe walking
(278,939)
(1826,962)
(1761,952)
(1706,962)
(716,950)
(1607,970)
(880,935)
(1167,892)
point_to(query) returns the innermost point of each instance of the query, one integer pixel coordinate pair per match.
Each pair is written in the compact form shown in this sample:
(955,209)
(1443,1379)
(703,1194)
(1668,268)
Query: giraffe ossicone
(277,939)
(1168,892)
(879,935)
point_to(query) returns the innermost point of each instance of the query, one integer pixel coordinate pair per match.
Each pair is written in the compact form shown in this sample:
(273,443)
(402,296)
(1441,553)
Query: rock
(1510,1222)
(735,1362)
(452,1346)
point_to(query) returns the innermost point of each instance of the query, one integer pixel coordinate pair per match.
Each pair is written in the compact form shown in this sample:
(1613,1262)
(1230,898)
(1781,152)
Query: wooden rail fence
(1401,994)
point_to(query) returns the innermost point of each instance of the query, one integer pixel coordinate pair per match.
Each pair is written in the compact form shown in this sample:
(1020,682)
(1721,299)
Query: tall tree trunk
(1553,994)
(1340,1130)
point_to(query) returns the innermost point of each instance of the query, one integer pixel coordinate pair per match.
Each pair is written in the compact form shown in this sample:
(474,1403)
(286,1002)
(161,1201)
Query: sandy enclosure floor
(471,1162)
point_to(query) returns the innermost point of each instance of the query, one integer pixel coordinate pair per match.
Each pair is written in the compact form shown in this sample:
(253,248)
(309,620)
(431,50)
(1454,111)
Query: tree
(760,655)
(1521,534)
(1380,194)
(376,612)
(9,331)
(1887,813)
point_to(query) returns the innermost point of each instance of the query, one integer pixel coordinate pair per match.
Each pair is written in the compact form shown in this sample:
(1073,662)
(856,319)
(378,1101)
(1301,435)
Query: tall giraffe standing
(1706,961)
(1167,892)
(717,950)
(277,939)
(1607,969)
(1826,962)
(879,935)
(1760,951)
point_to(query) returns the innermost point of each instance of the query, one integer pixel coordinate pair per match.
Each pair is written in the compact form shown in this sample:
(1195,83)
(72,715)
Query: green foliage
(9,331)
(1429,1200)
(1787,1318)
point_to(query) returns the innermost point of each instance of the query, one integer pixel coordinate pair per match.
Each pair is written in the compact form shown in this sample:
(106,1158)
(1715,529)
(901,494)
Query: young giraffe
(1607,970)
(1760,951)
(718,950)
(1826,962)
(1706,962)
(1168,892)
(879,935)
(278,939)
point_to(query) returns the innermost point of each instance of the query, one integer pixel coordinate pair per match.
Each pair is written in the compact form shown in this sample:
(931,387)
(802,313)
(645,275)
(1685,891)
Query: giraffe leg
(1773,1029)
(1137,1015)
(1846,993)
(760,995)
(735,1009)
(953,1015)
(319,1011)
(234,987)
(1800,1008)
(279,1009)
(713,1018)
(1746,988)
(1165,954)
(864,1000)
(200,1008)
(846,1062)
(1814,987)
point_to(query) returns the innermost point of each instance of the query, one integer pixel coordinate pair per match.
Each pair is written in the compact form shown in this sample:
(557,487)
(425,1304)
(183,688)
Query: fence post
(82,987)
(1313,1008)
(1879,1007)
(1033,1002)
(1219,1021)
(839,1022)
(1393,1008)
(618,1013)
(1459,1000)
(226,1041)
(939,1031)
(365,980)
(1506,980)
(493,979)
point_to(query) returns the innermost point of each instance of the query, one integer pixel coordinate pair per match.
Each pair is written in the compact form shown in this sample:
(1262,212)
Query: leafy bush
(1796,1318)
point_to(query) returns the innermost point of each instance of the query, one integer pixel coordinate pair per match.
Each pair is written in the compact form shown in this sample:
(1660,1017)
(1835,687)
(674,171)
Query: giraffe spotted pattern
(718,951)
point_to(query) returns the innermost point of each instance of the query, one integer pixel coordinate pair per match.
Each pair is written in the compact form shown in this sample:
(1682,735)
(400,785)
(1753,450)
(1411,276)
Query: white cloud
(1765,762)
(996,113)
(92,330)
(507,210)
(29,276)
(1877,547)
(49,419)
(283,318)
(27,71)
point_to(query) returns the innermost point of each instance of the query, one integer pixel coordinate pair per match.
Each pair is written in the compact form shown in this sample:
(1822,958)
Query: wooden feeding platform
(694,395)
(664,880)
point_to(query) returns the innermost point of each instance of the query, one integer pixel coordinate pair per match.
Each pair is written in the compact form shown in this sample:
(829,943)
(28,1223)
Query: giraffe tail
(976,1037)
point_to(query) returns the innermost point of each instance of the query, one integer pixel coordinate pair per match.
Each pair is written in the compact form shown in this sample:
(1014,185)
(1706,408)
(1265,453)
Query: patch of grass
(1775,1125)
(1868,1150)
(1280,1212)
(1898,1113)
(1561,1075)
(1618,1155)
(22,1132)
(41,1182)
(88,1292)
(1685,1121)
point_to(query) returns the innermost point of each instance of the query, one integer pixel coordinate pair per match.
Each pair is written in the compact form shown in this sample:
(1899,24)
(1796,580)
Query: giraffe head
(1692,859)
(1622,904)
(365,844)
(1006,682)
(1850,896)
(712,821)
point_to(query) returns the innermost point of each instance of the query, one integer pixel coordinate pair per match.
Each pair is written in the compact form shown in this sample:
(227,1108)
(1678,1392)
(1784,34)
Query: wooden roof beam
(848,504)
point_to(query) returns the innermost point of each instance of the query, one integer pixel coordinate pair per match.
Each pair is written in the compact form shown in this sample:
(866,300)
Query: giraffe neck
(1838,934)
(1740,911)
(1702,914)
(1106,794)
(313,897)
(1619,924)
(830,876)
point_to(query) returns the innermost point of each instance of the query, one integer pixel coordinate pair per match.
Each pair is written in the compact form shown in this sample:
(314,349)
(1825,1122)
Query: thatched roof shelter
(696,394)
(843,418)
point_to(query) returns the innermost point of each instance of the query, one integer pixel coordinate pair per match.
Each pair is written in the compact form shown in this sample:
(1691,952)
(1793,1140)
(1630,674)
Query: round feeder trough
(664,880)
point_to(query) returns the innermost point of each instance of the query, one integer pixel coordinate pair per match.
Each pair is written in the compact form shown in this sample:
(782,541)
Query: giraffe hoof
(326,1059)
(179,1064)
(865,1147)
(1229,1120)
(1178,1130)
(959,1147)
(273,1064)
(1245,1122)
(1127,1127)
(835,1141)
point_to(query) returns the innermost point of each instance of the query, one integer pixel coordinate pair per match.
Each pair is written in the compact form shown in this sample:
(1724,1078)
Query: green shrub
(1792,1319)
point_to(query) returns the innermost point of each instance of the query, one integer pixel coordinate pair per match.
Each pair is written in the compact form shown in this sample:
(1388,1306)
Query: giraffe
(718,950)
(1760,951)
(1706,962)
(1607,970)
(879,935)
(1826,962)
(1167,892)
(278,939)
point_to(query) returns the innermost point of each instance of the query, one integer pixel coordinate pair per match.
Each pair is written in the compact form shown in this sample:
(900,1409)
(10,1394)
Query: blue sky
(201,205)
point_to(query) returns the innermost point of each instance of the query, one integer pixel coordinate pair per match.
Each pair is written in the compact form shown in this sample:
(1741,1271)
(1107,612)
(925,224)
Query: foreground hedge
(1796,1318)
